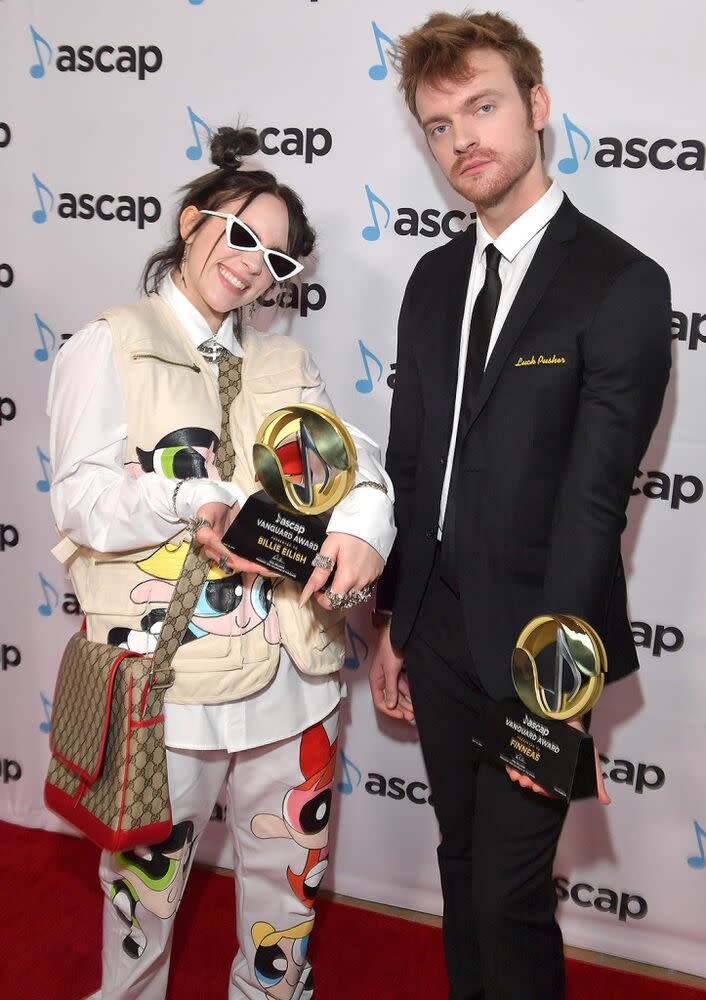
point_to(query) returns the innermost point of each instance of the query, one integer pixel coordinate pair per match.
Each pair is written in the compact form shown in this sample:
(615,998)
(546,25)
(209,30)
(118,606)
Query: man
(532,361)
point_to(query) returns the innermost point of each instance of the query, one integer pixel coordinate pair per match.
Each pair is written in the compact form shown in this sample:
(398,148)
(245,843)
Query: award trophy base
(281,540)
(553,754)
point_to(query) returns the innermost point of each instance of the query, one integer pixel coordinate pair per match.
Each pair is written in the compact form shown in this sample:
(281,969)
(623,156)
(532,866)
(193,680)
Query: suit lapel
(549,255)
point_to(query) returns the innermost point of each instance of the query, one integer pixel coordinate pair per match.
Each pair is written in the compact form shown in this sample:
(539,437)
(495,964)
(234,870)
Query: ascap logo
(309,297)
(657,638)
(10,770)
(688,329)
(427,222)
(634,153)
(8,409)
(10,656)
(626,906)
(385,46)
(398,789)
(676,489)
(9,537)
(309,142)
(638,776)
(52,598)
(373,371)
(140,209)
(139,60)
(393,788)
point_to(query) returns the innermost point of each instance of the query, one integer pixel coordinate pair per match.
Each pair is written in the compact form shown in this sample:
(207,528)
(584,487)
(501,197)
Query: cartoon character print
(153,877)
(306,811)
(229,603)
(280,958)
(187,453)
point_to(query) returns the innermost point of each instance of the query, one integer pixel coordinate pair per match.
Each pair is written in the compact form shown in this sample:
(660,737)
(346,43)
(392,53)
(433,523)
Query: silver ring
(348,600)
(223,564)
(337,601)
(320,561)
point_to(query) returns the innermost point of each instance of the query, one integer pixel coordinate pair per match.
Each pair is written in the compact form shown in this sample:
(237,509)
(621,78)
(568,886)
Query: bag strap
(176,621)
(196,566)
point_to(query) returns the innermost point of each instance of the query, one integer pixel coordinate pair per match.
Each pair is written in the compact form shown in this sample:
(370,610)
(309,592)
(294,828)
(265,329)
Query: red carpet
(50,938)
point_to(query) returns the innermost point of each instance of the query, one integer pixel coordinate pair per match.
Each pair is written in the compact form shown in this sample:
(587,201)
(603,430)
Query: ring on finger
(223,564)
(321,561)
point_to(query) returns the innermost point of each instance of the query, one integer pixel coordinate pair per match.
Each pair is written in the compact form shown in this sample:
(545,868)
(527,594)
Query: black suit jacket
(553,446)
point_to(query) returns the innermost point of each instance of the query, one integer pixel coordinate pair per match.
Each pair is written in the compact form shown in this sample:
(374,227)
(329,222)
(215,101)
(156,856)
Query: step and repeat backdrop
(105,109)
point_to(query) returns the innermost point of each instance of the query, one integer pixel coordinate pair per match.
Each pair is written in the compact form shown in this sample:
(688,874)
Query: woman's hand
(221,517)
(355,564)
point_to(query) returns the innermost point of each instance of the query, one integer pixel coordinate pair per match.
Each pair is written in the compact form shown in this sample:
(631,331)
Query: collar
(517,235)
(193,322)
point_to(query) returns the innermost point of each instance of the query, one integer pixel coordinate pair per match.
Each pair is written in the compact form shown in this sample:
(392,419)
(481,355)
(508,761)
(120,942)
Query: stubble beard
(507,171)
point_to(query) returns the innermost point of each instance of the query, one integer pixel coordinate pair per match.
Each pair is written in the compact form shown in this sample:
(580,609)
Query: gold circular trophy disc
(578,648)
(305,461)
(326,470)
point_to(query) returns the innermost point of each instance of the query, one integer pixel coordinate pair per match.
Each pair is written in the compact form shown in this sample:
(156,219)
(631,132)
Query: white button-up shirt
(97,505)
(517,245)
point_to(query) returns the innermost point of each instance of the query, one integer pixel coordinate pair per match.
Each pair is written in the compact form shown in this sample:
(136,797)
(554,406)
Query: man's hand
(357,564)
(526,781)
(221,517)
(388,682)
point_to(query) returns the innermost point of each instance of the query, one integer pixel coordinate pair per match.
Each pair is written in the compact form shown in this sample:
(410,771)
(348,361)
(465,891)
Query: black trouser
(498,840)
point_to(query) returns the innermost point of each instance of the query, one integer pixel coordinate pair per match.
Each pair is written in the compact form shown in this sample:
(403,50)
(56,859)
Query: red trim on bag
(144,723)
(148,687)
(103,836)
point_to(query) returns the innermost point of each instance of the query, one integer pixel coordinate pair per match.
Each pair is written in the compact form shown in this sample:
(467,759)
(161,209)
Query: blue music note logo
(357,643)
(378,71)
(195,152)
(372,232)
(570,164)
(51,597)
(698,861)
(39,215)
(346,786)
(39,68)
(43,483)
(365,385)
(42,353)
(45,726)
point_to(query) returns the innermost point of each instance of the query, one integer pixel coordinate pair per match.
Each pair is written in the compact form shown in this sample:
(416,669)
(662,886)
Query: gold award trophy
(534,739)
(305,461)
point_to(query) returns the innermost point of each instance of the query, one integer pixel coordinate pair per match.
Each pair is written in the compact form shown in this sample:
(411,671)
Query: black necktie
(484,310)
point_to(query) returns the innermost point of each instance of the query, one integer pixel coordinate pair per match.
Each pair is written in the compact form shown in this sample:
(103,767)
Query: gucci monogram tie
(196,566)
(482,319)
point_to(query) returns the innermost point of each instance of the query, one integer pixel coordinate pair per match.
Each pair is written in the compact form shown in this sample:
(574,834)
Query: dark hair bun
(230,145)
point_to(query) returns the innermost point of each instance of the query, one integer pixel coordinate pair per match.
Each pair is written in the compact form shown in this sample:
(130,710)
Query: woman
(147,404)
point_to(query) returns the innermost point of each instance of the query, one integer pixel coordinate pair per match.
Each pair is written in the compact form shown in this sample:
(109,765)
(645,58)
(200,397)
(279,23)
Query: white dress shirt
(517,246)
(97,505)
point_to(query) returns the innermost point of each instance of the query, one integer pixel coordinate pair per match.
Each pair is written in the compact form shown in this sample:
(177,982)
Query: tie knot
(213,351)
(492,258)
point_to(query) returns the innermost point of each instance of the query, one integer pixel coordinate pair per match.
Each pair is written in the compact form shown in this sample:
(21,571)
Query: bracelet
(194,523)
(371,483)
(180,483)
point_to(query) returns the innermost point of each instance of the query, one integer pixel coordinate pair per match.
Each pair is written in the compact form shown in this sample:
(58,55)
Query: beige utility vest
(168,386)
